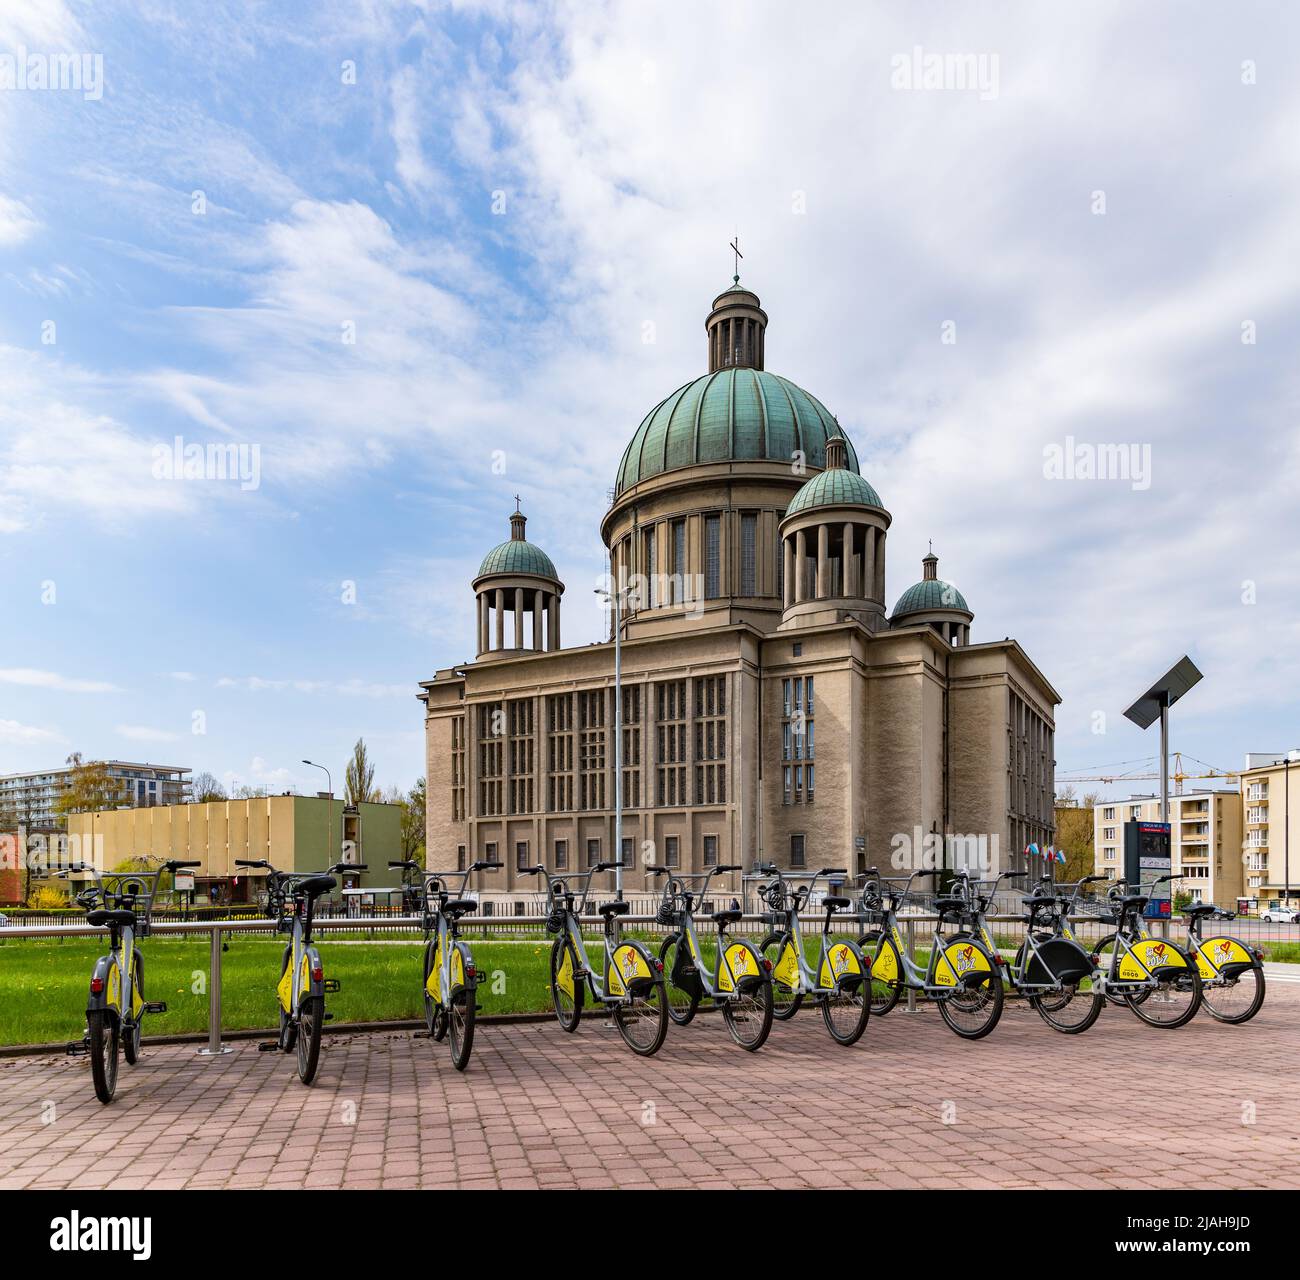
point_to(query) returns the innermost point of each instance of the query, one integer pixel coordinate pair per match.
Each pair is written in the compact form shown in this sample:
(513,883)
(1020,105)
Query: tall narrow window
(712,557)
(679,561)
(710,851)
(798,856)
(650,564)
(748,555)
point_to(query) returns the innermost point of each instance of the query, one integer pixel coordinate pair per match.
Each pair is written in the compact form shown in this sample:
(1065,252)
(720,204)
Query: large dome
(731,415)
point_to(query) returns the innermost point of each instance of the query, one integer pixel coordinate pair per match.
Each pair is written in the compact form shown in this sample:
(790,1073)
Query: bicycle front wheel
(311,1025)
(1238,1000)
(886,971)
(682,1001)
(460,1020)
(567,989)
(433,1014)
(131,1038)
(786,996)
(104,1045)
(1069,1010)
(642,1019)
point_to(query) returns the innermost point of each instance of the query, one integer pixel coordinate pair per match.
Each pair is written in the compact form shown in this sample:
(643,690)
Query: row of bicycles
(750,984)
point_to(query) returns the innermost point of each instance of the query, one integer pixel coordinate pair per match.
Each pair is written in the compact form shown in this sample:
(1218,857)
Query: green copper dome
(518,556)
(835,487)
(731,415)
(930,594)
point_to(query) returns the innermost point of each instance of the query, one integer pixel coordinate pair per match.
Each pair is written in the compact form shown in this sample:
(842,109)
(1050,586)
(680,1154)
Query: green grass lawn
(43,984)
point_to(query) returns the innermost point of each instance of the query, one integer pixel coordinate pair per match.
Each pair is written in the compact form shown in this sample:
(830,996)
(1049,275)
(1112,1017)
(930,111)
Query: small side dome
(934,601)
(835,487)
(517,555)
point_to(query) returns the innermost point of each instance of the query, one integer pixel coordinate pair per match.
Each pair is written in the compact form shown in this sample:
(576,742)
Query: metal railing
(1007,929)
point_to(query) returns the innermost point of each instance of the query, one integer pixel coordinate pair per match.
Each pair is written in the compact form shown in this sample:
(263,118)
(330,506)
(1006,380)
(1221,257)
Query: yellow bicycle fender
(1214,953)
(737,962)
(564,974)
(959,961)
(839,962)
(1151,954)
(457,969)
(786,971)
(628,965)
(433,984)
(284,988)
(883,964)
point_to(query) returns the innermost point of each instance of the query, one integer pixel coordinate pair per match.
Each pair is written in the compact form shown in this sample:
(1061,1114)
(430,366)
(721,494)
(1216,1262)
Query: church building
(773,707)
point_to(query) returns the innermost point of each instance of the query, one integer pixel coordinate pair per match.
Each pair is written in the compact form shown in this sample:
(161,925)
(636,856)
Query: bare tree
(359,778)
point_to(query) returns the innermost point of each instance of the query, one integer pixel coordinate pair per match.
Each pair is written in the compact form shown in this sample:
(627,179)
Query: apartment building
(1271,810)
(29,799)
(1205,841)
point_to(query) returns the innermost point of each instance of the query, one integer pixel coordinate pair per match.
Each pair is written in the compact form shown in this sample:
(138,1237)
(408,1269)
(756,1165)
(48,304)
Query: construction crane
(1178,773)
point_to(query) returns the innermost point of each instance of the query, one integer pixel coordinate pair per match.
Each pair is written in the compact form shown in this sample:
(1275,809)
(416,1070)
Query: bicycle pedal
(154,1006)
(329,1017)
(331,985)
(77,1047)
(268,1046)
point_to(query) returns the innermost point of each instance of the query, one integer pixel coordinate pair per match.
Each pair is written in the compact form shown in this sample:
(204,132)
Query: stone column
(537,619)
(800,552)
(501,618)
(880,568)
(787,576)
(554,614)
(823,561)
(519,617)
(869,562)
(846,559)
(481,602)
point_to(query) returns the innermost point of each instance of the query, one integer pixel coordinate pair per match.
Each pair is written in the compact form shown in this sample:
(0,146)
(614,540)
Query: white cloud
(34,678)
(183,675)
(146,733)
(17,222)
(25,734)
(354,687)
(412,167)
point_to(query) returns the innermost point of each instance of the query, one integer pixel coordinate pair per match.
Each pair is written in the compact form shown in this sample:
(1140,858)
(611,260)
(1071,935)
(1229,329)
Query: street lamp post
(611,598)
(329,811)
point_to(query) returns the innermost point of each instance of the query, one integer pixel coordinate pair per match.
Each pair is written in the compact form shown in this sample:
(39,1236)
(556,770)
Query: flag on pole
(1031,847)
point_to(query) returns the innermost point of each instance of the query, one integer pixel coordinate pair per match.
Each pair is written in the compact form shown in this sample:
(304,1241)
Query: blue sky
(504,203)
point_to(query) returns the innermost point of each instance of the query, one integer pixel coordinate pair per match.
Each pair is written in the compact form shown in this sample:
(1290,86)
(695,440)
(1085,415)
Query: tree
(1074,837)
(359,778)
(245,792)
(413,810)
(90,787)
(205,787)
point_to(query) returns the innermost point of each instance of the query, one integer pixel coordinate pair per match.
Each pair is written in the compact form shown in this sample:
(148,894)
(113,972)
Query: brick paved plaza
(539,1108)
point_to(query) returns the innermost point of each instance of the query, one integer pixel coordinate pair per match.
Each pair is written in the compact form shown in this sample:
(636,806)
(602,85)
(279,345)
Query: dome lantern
(736,327)
(517,577)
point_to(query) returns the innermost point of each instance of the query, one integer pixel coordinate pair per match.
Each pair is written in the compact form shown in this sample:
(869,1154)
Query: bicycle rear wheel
(311,1025)
(642,1019)
(1237,1002)
(845,1012)
(104,1044)
(749,1016)
(786,998)
(972,1011)
(1069,1010)
(1175,999)
(460,1020)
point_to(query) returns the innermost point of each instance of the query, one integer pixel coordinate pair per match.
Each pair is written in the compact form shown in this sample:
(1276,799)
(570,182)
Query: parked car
(1280,913)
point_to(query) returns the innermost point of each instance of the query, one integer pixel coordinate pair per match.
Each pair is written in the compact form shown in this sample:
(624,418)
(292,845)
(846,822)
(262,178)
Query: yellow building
(293,833)
(1271,806)
(773,707)
(1204,841)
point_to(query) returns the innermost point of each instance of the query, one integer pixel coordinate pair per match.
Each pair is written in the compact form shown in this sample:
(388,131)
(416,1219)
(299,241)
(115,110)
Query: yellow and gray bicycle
(122,902)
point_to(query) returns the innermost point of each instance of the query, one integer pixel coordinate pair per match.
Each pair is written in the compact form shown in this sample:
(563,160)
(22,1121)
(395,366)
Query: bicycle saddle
(1038,900)
(950,904)
(314,886)
(101,916)
(460,907)
(616,908)
(728,916)
(836,904)
(1133,900)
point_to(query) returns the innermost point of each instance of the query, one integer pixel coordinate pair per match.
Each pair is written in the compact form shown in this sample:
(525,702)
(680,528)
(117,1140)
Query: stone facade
(911,732)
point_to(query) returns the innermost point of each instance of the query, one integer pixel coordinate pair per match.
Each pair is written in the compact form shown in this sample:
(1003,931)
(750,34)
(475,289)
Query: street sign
(184,882)
(1146,858)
